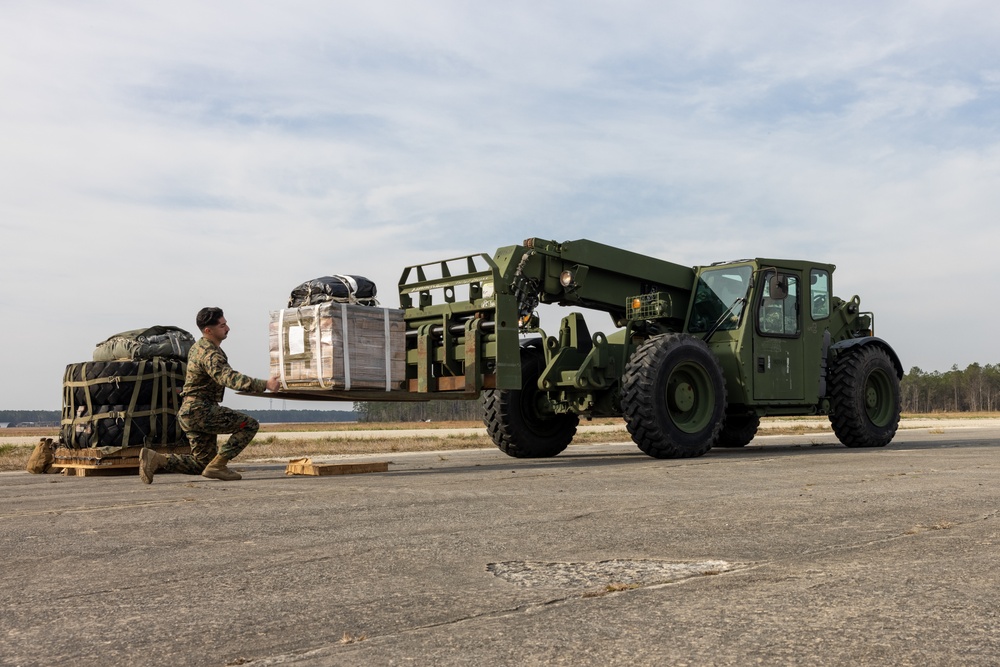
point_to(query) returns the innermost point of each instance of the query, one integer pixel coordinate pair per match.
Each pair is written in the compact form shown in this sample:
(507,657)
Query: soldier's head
(212,324)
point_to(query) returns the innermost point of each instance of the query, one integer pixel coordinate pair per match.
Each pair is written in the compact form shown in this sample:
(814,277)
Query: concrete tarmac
(792,551)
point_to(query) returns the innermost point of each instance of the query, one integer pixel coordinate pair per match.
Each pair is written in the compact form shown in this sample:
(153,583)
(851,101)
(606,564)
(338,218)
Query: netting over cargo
(157,341)
(338,346)
(122,403)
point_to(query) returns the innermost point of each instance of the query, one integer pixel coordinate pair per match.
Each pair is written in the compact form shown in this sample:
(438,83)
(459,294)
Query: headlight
(566,278)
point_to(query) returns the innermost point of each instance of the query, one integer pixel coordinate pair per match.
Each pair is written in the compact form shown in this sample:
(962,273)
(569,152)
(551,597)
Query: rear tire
(513,421)
(738,430)
(865,397)
(674,397)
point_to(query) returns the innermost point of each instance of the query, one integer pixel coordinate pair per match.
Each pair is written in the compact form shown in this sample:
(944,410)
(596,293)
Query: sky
(161,157)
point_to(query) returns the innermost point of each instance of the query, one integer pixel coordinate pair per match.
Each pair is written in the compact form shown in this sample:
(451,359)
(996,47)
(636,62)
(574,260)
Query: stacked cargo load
(126,398)
(336,345)
(115,404)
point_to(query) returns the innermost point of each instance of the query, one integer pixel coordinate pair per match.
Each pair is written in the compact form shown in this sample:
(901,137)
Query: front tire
(513,421)
(674,397)
(865,397)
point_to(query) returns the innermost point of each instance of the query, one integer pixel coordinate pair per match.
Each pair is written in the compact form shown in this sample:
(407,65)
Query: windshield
(716,291)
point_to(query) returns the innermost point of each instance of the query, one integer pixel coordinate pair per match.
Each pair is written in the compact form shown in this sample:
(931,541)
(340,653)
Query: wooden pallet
(307,467)
(95,463)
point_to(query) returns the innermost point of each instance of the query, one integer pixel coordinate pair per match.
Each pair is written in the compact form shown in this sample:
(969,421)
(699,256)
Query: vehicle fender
(849,343)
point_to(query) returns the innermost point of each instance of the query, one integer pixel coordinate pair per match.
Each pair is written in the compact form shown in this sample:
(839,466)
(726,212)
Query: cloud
(158,158)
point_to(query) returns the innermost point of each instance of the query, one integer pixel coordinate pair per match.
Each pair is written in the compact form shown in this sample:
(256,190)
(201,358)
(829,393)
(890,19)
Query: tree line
(419,411)
(975,389)
(49,417)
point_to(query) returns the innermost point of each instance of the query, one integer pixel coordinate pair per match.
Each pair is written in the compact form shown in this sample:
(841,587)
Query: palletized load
(338,346)
(335,288)
(155,341)
(122,403)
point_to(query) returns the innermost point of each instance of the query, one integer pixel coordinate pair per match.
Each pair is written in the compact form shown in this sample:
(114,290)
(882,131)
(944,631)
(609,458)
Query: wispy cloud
(157,158)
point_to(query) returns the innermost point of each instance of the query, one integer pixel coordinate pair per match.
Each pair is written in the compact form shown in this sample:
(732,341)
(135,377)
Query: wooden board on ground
(307,467)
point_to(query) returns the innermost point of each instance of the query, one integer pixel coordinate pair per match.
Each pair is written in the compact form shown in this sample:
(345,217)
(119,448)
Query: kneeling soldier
(200,416)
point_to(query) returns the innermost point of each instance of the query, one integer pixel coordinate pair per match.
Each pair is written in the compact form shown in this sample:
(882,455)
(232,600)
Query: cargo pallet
(97,462)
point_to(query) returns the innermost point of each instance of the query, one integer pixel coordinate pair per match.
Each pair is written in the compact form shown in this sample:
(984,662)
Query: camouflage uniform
(201,416)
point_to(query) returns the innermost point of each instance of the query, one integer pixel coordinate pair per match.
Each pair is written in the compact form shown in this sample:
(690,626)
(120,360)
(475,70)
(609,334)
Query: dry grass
(15,457)
(33,431)
(308,427)
(269,448)
(272,448)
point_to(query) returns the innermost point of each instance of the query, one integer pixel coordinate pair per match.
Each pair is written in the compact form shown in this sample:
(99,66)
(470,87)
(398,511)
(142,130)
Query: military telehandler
(697,356)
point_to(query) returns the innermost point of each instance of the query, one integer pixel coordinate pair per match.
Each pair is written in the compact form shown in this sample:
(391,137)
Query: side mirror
(777,287)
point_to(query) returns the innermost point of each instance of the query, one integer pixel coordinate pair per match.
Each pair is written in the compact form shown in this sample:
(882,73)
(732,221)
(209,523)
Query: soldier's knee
(249,425)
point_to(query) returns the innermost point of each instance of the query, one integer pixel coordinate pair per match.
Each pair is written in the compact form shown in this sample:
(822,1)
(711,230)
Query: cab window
(819,293)
(719,298)
(779,315)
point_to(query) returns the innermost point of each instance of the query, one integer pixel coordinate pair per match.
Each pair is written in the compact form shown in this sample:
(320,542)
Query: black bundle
(338,288)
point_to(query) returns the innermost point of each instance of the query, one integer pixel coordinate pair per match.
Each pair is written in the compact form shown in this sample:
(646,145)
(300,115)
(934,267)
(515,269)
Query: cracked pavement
(794,550)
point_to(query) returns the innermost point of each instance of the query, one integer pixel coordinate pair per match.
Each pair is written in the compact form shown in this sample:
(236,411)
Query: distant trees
(975,389)
(53,417)
(47,417)
(301,416)
(419,411)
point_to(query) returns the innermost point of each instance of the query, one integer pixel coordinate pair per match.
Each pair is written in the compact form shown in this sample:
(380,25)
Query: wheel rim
(878,398)
(689,397)
(539,423)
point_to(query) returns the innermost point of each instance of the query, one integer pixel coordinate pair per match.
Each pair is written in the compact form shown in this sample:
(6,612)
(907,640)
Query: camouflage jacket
(209,373)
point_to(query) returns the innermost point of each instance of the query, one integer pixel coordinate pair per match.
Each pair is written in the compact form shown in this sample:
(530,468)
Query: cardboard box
(338,346)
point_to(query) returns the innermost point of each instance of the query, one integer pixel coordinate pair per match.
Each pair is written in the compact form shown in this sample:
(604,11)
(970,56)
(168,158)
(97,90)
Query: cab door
(777,350)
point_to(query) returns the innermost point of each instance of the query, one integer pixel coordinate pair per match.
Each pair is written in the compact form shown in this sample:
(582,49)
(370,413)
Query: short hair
(208,317)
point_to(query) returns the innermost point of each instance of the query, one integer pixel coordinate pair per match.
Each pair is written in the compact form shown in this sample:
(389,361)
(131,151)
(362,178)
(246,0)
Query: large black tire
(674,397)
(738,430)
(865,397)
(513,421)
(103,398)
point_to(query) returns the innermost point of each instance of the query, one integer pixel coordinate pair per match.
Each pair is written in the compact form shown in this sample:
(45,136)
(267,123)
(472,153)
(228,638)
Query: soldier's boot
(216,469)
(150,461)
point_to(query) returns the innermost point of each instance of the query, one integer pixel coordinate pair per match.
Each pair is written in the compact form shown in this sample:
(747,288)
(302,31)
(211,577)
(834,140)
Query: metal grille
(650,306)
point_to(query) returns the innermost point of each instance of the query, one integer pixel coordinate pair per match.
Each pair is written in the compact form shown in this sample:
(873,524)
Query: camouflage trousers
(202,423)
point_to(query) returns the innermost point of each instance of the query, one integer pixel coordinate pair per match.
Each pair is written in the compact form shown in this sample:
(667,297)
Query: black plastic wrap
(339,288)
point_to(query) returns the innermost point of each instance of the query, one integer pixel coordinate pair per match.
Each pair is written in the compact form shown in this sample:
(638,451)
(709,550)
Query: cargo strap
(388,351)
(352,287)
(165,395)
(347,346)
(281,348)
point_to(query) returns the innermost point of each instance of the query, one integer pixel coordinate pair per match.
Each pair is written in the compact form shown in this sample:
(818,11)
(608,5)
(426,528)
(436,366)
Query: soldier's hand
(273,384)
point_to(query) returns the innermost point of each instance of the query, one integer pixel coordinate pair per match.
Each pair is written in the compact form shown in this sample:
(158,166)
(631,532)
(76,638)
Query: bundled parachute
(336,288)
